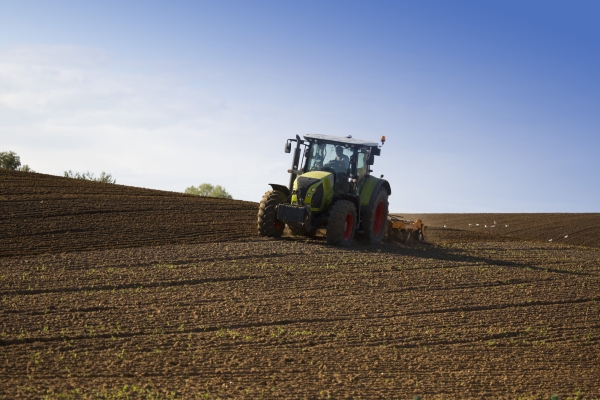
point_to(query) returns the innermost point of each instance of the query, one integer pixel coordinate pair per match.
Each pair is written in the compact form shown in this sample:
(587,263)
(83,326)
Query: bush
(87,176)
(10,160)
(25,168)
(208,190)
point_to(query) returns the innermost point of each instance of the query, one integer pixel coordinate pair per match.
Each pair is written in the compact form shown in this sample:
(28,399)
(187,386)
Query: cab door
(362,169)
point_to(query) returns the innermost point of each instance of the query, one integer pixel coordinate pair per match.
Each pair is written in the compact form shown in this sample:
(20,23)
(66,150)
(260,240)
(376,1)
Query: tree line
(10,160)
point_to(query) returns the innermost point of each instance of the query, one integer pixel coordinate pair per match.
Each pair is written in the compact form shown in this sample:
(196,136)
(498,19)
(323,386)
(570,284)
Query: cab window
(326,155)
(361,164)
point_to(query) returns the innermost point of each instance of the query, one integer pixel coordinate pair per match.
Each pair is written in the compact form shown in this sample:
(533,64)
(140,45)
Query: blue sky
(487,106)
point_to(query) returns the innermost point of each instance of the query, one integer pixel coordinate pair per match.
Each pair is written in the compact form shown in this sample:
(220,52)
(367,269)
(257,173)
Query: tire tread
(267,214)
(337,223)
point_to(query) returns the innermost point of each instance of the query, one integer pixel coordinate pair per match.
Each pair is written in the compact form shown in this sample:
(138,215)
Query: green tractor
(330,188)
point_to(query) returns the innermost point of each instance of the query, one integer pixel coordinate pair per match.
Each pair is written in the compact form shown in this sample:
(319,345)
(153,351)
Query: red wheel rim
(278,225)
(379,219)
(349,227)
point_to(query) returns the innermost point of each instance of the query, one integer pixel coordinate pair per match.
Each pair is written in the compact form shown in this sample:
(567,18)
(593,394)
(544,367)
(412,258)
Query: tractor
(330,188)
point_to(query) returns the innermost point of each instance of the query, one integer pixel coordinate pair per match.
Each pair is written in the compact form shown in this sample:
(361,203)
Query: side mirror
(288,147)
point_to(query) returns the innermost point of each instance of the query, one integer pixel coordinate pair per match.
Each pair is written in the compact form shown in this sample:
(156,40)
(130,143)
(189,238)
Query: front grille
(286,212)
(302,185)
(317,197)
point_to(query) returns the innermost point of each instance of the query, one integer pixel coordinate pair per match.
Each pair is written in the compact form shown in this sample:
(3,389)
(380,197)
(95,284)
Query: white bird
(493,226)
(550,240)
(494,222)
(476,224)
(470,224)
(486,226)
(566,236)
(444,226)
(506,226)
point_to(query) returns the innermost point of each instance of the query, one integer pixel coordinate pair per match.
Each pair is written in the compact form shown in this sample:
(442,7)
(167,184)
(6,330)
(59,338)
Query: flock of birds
(485,226)
(506,226)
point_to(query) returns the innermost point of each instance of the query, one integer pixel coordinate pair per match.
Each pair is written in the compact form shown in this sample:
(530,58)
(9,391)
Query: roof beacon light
(382,140)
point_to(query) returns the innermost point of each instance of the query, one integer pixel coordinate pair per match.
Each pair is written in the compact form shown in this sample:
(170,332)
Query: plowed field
(44,213)
(112,291)
(565,228)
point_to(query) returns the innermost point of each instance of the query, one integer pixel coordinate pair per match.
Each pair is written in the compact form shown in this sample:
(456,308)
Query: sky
(487,106)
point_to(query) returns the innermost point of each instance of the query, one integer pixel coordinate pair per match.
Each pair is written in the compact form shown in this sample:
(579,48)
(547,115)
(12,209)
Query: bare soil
(581,229)
(48,214)
(111,291)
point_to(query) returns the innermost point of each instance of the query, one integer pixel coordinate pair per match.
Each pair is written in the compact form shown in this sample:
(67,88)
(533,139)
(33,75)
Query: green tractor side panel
(369,189)
(366,192)
(315,179)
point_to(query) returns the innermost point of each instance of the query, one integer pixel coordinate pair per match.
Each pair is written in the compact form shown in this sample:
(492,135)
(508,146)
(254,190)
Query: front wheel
(342,223)
(268,224)
(374,223)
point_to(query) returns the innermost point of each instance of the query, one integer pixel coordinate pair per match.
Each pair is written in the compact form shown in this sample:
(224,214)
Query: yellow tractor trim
(405,231)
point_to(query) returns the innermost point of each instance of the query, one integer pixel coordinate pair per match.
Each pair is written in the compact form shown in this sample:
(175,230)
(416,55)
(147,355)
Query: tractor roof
(341,140)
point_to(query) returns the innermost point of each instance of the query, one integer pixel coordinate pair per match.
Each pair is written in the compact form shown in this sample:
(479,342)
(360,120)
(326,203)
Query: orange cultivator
(405,231)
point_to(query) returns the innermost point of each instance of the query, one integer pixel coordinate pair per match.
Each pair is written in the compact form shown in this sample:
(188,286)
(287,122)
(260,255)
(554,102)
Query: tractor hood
(316,175)
(314,189)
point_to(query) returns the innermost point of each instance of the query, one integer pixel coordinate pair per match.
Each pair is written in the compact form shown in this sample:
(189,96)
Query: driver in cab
(342,160)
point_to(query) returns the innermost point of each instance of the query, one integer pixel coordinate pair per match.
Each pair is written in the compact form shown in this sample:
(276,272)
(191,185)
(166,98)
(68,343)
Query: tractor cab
(346,158)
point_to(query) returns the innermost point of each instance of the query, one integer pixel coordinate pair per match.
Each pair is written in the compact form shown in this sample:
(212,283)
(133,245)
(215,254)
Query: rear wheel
(375,223)
(341,224)
(268,224)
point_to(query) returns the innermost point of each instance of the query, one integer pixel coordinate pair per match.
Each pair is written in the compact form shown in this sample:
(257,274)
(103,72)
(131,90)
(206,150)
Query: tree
(87,176)
(208,190)
(9,160)
(220,191)
(204,189)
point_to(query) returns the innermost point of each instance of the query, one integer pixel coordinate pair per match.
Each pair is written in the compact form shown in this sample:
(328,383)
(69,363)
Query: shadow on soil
(318,340)
(436,252)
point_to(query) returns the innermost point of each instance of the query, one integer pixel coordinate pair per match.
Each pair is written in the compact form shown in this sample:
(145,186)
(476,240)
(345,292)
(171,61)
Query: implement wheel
(342,223)
(375,222)
(268,224)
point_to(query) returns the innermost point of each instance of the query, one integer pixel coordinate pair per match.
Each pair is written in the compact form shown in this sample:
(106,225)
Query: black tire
(268,224)
(375,223)
(342,223)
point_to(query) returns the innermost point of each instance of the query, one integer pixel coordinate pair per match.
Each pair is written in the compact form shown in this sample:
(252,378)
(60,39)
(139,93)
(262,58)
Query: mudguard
(280,188)
(369,192)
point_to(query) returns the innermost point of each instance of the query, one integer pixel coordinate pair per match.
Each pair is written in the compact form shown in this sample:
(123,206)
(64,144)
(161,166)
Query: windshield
(324,156)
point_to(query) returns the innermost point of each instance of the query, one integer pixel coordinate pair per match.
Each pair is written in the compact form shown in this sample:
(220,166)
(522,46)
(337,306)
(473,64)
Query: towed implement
(405,231)
(330,187)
